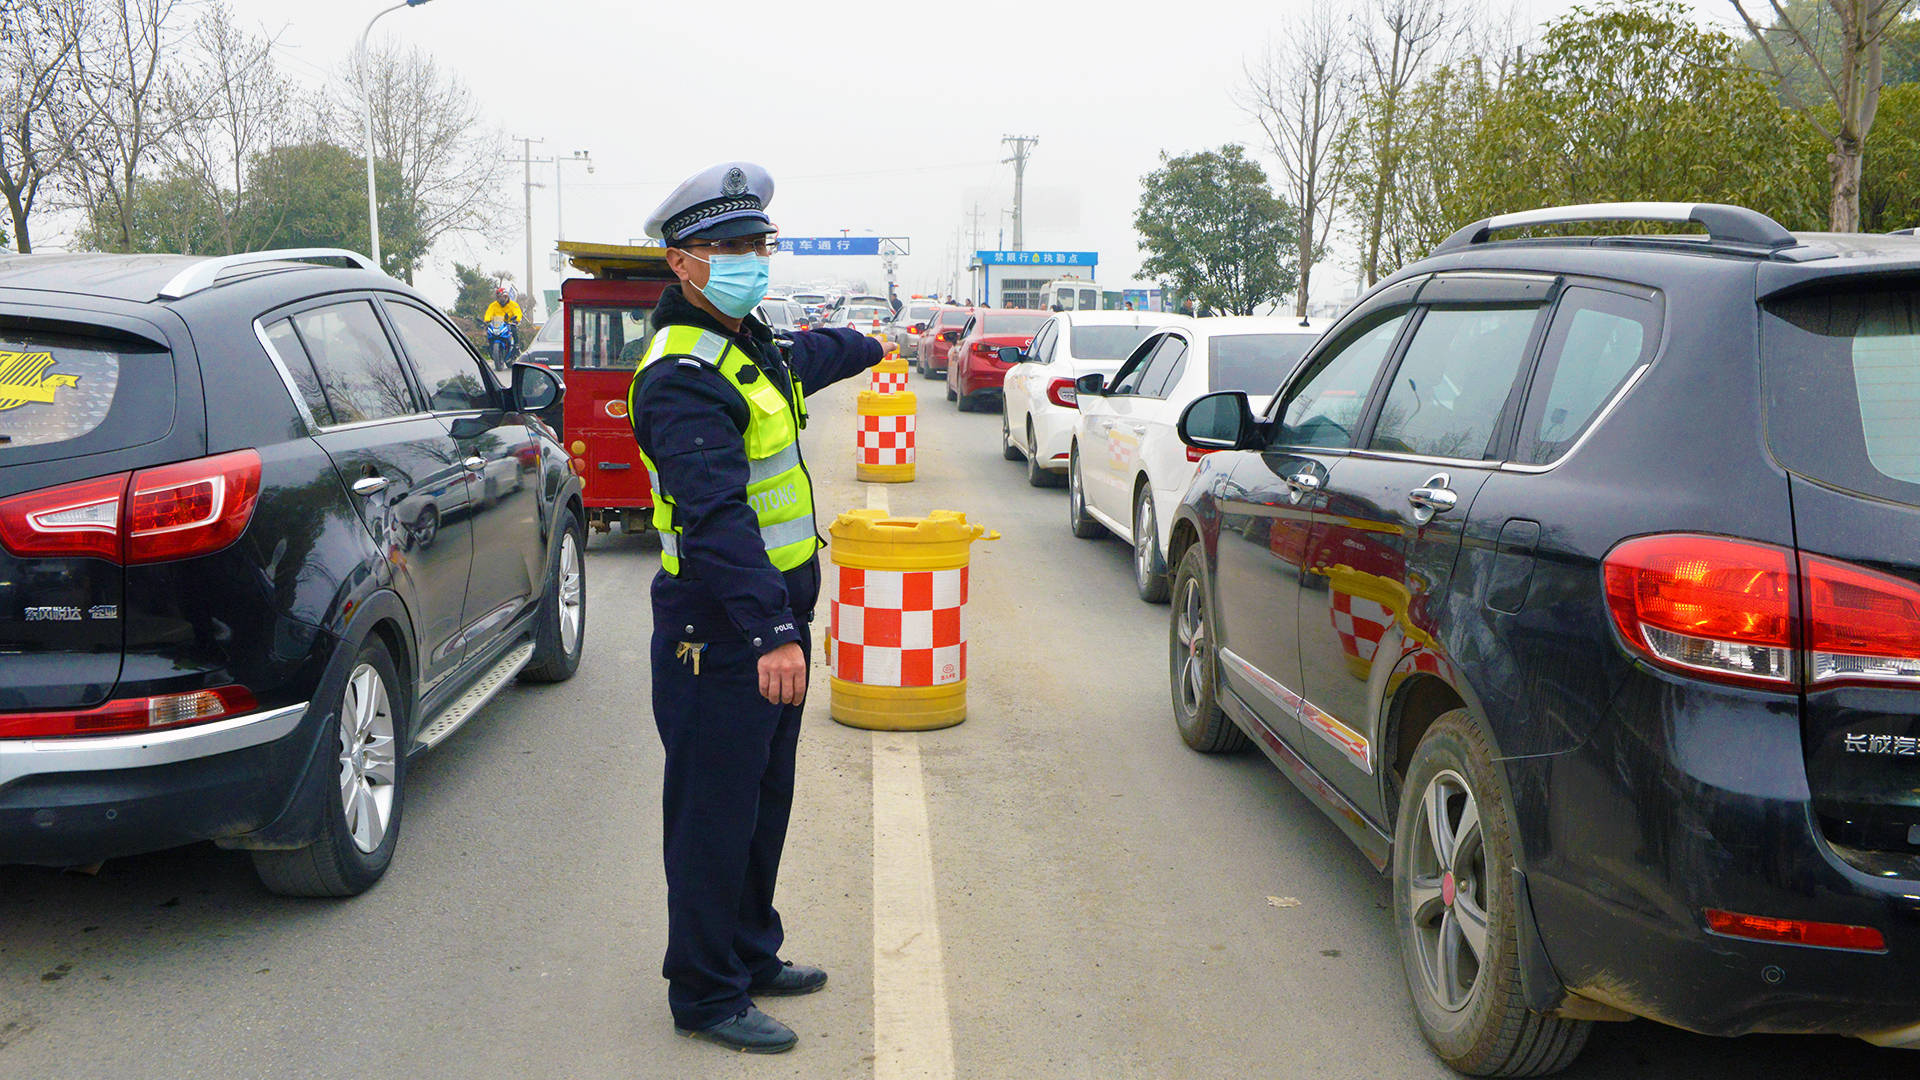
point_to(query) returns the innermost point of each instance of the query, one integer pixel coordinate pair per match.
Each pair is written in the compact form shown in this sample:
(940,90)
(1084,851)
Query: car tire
(1008,451)
(361,799)
(560,630)
(1192,666)
(1443,900)
(951,396)
(1037,476)
(1149,564)
(1082,523)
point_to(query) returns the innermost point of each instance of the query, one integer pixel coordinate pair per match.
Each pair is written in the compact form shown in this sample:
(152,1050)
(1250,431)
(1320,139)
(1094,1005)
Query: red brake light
(72,519)
(1796,931)
(918,327)
(985,351)
(131,714)
(1706,605)
(1861,624)
(1062,393)
(191,508)
(172,512)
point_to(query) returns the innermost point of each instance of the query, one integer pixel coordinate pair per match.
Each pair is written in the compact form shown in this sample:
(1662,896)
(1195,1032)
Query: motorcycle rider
(505,308)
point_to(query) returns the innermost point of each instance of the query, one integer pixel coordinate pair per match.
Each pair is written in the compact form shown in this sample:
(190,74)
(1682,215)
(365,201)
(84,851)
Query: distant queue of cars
(1094,398)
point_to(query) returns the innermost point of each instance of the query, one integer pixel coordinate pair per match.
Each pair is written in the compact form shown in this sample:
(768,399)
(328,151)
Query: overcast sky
(887,124)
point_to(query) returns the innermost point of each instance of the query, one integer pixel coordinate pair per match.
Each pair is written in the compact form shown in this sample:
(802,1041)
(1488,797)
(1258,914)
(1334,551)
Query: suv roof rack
(1724,224)
(204,273)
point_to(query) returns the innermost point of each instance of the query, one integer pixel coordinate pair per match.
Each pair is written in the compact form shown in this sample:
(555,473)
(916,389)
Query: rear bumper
(79,800)
(975,380)
(1053,434)
(1685,800)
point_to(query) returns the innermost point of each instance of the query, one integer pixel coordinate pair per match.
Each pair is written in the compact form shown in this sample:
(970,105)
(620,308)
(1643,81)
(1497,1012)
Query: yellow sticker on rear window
(24,380)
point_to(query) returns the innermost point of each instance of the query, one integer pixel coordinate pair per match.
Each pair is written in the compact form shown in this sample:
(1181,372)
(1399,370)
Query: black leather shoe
(750,1032)
(791,980)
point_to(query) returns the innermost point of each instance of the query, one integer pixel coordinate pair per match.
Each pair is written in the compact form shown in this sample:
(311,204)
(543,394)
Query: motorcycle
(502,343)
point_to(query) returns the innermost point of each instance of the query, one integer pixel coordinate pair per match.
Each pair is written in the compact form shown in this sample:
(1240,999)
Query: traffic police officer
(717,407)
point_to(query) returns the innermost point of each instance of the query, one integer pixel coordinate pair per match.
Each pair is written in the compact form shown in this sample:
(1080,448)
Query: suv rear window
(1843,388)
(64,388)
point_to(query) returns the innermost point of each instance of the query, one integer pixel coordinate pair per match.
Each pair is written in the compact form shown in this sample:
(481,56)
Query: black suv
(267,529)
(1578,579)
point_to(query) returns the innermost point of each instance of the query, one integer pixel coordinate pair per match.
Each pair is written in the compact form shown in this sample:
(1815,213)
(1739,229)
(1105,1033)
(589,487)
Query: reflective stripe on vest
(799,530)
(778,488)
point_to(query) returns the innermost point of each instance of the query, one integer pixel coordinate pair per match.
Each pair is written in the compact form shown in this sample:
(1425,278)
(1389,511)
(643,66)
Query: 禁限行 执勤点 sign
(1068,259)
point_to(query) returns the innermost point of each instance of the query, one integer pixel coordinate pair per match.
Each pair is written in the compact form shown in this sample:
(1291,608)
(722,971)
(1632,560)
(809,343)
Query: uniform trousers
(727,796)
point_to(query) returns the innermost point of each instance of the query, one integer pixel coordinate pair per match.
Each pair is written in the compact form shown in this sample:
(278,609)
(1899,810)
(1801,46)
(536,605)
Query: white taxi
(1037,424)
(1126,461)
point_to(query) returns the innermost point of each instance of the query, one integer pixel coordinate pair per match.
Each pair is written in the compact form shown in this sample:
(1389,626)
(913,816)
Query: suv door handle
(370,485)
(1435,498)
(1300,485)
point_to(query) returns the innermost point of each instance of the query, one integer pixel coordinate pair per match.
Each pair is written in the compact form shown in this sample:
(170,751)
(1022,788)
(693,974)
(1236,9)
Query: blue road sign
(1038,258)
(830,245)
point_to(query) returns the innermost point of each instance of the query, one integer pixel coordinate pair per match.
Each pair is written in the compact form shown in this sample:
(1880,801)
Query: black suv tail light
(1722,608)
(131,714)
(155,515)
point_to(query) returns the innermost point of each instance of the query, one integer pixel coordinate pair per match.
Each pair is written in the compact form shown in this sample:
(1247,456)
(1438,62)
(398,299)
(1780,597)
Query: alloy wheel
(1447,892)
(1146,537)
(367,757)
(1190,630)
(572,596)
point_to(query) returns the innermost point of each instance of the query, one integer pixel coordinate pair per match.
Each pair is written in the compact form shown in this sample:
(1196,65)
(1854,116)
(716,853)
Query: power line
(812,176)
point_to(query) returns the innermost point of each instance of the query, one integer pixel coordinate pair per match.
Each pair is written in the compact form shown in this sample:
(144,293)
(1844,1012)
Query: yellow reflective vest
(778,488)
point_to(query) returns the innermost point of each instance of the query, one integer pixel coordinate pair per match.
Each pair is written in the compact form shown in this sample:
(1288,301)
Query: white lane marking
(877,498)
(912,1035)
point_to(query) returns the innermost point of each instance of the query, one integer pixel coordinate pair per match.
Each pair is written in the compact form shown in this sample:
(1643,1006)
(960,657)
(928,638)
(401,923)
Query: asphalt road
(1105,903)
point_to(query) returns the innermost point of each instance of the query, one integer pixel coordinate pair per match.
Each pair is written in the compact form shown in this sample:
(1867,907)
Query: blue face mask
(735,283)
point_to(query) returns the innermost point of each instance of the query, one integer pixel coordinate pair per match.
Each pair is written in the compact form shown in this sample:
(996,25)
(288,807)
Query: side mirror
(536,387)
(1011,355)
(1220,421)
(1091,383)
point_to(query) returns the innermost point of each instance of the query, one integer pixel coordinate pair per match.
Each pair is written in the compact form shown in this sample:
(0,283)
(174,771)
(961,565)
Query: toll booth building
(1031,279)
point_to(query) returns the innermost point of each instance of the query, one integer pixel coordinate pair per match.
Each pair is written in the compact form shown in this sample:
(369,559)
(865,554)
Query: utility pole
(1022,146)
(973,219)
(528,161)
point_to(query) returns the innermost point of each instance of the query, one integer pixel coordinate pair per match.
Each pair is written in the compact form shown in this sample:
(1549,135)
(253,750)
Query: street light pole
(559,216)
(366,100)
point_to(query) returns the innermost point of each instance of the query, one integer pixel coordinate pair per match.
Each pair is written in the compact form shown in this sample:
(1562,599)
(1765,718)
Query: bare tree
(232,106)
(40,107)
(1849,82)
(1300,91)
(121,68)
(1397,40)
(429,124)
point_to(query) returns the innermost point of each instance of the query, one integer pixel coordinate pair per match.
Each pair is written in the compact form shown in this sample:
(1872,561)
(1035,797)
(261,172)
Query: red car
(976,372)
(942,330)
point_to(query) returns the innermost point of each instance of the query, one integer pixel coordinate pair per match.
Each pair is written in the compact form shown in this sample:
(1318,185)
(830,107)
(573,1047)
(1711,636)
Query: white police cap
(725,201)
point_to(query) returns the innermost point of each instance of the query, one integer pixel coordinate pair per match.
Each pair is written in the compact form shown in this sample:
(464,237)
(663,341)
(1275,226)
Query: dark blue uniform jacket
(692,424)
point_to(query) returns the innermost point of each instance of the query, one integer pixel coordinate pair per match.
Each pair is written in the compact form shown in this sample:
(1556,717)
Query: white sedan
(1037,423)
(1126,461)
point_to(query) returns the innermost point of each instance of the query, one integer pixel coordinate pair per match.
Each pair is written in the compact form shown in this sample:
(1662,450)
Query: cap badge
(735,182)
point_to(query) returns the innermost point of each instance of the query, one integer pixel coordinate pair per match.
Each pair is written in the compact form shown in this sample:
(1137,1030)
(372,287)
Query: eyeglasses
(744,245)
